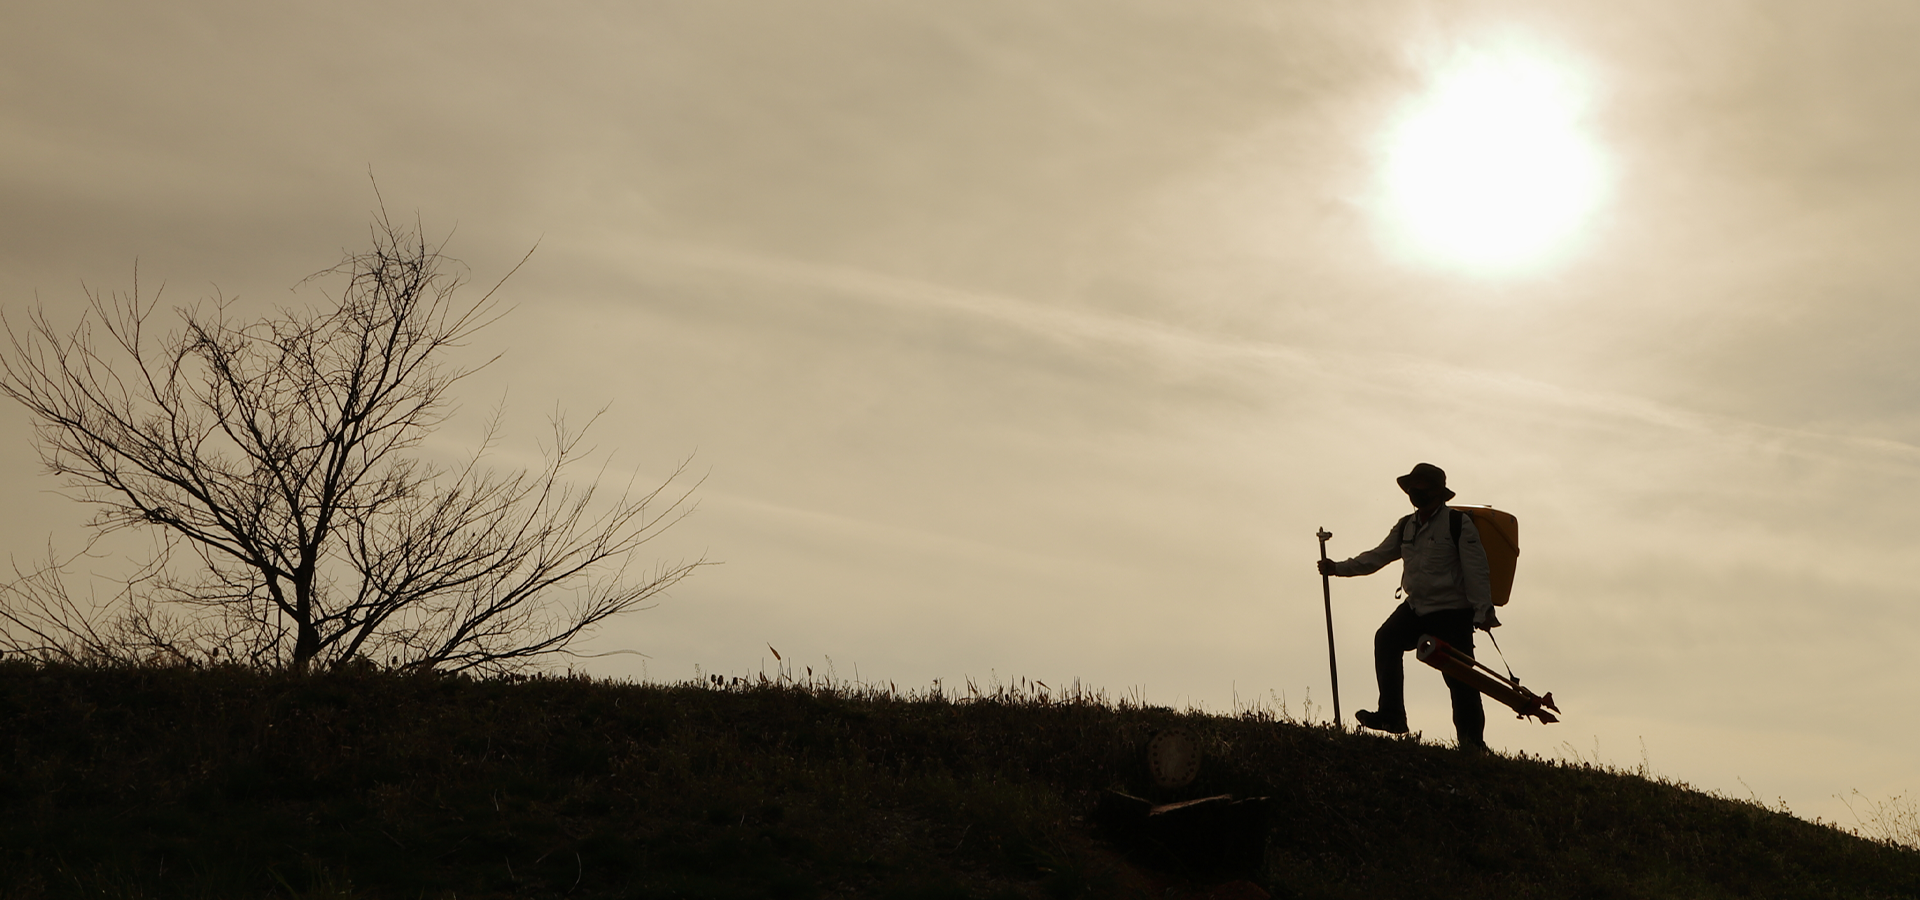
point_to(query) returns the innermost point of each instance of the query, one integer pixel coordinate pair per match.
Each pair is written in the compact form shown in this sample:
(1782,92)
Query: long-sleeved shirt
(1435,575)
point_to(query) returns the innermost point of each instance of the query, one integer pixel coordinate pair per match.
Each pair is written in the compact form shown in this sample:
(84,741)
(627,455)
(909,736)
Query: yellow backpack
(1500,535)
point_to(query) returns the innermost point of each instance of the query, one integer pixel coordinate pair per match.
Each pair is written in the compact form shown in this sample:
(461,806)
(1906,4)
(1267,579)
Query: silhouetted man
(1444,580)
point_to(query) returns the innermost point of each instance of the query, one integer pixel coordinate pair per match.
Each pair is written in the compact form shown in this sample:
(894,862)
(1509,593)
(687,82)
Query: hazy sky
(1037,339)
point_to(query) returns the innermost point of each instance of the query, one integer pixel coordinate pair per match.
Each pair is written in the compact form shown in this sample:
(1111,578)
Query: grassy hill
(127,783)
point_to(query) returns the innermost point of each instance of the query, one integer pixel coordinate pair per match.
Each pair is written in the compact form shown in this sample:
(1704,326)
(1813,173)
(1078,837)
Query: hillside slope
(229,783)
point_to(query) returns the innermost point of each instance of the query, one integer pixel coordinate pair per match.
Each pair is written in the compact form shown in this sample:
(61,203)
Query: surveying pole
(1326,594)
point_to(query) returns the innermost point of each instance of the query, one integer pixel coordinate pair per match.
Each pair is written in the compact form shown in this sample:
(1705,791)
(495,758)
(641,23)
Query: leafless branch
(276,454)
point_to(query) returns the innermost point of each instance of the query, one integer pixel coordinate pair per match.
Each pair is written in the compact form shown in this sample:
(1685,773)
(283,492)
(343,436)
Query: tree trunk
(306,644)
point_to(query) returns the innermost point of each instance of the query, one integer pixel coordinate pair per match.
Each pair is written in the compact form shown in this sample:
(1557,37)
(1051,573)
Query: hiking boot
(1381,721)
(1475,748)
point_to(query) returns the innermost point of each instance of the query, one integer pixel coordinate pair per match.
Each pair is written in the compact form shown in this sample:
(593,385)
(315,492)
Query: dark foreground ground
(228,783)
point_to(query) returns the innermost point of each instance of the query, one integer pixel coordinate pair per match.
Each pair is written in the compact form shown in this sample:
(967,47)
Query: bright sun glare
(1491,169)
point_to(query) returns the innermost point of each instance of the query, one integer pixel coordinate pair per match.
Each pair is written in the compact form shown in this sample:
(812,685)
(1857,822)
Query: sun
(1492,169)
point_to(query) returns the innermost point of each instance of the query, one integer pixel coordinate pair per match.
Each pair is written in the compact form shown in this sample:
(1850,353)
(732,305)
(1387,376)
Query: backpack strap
(1455,520)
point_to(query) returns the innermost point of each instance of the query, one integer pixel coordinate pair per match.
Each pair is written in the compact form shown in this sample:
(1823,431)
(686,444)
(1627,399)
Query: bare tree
(275,454)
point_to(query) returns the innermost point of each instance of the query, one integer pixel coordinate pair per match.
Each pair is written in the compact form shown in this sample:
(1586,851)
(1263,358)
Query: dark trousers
(1401,633)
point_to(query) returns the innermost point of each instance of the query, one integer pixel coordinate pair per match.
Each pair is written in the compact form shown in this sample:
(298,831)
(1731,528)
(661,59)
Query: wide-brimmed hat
(1426,476)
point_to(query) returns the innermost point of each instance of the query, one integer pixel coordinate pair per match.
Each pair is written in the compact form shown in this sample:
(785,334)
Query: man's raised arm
(1370,562)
